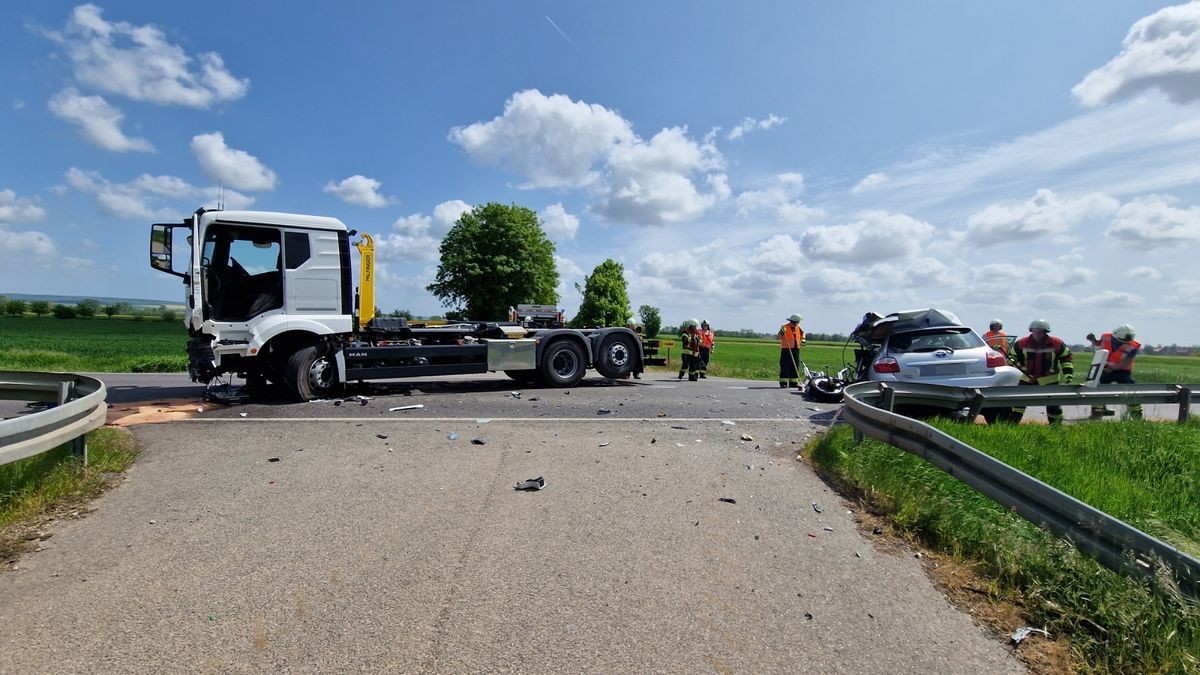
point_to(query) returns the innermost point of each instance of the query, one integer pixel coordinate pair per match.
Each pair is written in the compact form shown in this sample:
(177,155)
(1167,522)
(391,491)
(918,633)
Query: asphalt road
(323,537)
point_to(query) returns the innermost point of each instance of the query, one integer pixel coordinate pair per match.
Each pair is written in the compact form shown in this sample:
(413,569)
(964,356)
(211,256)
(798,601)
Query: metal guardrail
(79,407)
(1115,544)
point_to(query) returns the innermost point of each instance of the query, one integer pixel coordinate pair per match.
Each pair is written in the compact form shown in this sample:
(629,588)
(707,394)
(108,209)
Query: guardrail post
(889,397)
(78,445)
(1185,403)
(976,405)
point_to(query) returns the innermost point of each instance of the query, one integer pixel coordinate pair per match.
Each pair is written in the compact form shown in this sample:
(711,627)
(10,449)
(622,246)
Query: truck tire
(562,363)
(311,373)
(616,358)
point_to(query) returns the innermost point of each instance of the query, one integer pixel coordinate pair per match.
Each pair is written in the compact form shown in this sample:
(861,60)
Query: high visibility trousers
(691,365)
(1133,410)
(1054,413)
(789,365)
(705,353)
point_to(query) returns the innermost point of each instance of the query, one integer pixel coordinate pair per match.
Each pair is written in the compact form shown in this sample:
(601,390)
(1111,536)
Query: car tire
(825,389)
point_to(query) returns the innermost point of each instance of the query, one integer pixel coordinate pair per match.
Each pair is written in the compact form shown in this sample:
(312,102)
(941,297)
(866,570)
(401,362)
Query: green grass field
(92,345)
(1142,472)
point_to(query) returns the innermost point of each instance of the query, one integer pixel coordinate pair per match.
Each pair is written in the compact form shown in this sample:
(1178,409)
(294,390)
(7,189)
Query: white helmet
(795,318)
(694,322)
(1124,332)
(630,323)
(995,322)
(1039,324)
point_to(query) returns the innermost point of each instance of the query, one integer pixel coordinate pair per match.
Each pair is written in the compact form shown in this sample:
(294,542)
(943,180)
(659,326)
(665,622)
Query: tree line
(85,309)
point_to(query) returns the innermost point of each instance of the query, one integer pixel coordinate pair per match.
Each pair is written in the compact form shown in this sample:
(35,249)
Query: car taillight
(886,365)
(995,360)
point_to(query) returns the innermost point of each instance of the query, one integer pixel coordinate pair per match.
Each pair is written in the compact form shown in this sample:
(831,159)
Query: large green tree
(651,320)
(605,297)
(494,257)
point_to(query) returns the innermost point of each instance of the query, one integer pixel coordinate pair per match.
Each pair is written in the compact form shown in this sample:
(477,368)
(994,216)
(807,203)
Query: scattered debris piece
(484,420)
(756,537)
(1024,632)
(727,500)
(533,398)
(605,444)
(816,507)
(604,411)
(243,414)
(812,535)
(531,485)
(678,427)
(680,445)
(747,437)
(662,414)
(415,406)
(452,436)
(812,408)
(828,528)
(478,441)
(808,615)
(749,467)
(728,423)
(272,459)
(199,409)
(153,522)
(653,441)
(514,394)
(381,436)
(877,530)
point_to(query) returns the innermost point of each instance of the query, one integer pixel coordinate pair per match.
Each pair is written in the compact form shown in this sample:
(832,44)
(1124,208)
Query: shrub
(87,308)
(39,307)
(14,307)
(64,312)
(169,315)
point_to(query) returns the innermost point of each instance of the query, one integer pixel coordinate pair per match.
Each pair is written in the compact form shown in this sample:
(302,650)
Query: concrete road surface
(371,541)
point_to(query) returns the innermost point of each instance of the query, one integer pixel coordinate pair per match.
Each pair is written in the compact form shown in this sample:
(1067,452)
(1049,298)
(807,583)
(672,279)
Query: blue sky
(743,161)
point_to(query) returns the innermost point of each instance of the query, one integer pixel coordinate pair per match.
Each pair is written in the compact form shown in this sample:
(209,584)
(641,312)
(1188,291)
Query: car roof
(876,328)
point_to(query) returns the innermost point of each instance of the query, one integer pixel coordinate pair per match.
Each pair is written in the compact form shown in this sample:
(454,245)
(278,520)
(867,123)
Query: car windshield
(934,339)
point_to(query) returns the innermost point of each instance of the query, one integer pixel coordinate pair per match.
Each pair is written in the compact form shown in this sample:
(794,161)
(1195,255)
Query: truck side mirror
(160,250)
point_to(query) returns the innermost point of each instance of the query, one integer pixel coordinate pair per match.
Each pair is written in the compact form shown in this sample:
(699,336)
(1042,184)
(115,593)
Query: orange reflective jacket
(996,339)
(1120,351)
(706,339)
(791,337)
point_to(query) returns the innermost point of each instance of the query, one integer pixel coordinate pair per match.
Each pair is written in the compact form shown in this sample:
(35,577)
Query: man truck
(269,297)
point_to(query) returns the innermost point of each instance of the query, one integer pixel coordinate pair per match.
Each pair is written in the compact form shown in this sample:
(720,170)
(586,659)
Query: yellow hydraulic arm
(366,280)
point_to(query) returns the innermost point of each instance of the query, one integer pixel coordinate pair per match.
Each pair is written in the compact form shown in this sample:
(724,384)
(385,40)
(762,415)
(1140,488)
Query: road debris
(678,427)
(531,485)
(514,394)
(828,528)
(484,420)
(452,436)
(243,414)
(1023,632)
(414,406)
(727,500)
(728,423)
(747,437)
(605,444)
(272,459)
(604,411)
(478,441)
(816,507)
(381,436)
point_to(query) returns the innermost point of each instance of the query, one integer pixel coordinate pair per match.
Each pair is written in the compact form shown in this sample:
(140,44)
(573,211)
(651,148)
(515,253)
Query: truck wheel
(562,363)
(616,356)
(311,374)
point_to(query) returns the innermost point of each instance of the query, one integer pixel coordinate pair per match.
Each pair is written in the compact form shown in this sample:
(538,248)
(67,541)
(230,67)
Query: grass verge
(56,482)
(1114,624)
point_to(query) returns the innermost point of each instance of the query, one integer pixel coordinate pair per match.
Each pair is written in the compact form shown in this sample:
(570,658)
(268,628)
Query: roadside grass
(1142,472)
(35,486)
(92,345)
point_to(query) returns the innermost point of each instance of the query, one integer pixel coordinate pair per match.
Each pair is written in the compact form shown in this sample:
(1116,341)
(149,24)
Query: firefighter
(706,347)
(791,337)
(1043,359)
(1122,350)
(689,350)
(995,337)
(638,330)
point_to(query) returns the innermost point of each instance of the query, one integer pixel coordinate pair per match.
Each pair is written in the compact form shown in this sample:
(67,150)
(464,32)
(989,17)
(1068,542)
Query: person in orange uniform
(1043,359)
(791,337)
(995,337)
(1122,350)
(706,347)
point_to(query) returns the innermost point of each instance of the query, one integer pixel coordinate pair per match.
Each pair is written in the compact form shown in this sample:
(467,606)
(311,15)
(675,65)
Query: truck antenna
(220,196)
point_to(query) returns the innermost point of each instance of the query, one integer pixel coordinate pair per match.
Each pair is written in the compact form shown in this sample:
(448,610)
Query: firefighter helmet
(1039,324)
(795,318)
(1124,332)
(995,323)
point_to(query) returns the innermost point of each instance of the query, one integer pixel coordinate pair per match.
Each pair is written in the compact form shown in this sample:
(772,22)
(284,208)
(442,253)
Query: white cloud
(236,168)
(417,237)
(650,183)
(875,236)
(778,254)
(18,104)
(359,191)
(749,124)
(1154,222)
(1114,299)
(99,122)
(557,223)
(555,142)
(870,182)
(1161,51)
(139,63)
(1044,214)
(779,203)
(152,197)
(14,209)
(552,140)
(1187,294)
(1144,272)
